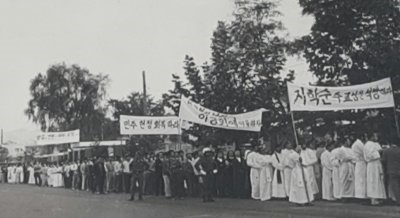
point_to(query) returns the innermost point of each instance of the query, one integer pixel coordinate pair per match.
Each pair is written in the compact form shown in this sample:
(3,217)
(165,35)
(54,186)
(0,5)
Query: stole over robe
(375,183)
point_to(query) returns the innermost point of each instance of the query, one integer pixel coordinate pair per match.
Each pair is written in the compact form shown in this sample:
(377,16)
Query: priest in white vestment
(266,176)
(300,189)
(253,161)
(347,161)
(288,166)
(309,159)
(375,183)
(278,185)
(335,172)
(327,168)
(360,170)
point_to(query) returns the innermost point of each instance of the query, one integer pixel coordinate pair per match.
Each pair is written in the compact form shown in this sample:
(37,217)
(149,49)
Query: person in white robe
(300,189)
(309,159)
(327,168)
(50,176)
(375,183)
(31,179)
(266,175)
(19,174)
(287,166)
(347,161)
(335,171)
(278,186)
(58,179)
(253,161)
(360,170)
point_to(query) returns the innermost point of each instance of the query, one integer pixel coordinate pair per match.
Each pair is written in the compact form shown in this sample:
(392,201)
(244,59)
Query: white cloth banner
(193,112)
(54,138)
(145,125)
(378,94)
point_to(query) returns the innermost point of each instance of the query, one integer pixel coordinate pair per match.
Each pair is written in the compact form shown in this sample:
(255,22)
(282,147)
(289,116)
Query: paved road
(24,201)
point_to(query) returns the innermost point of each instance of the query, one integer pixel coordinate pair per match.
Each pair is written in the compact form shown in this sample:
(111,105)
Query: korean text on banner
(377,94)
(54,138)
(193,112)
(146,125)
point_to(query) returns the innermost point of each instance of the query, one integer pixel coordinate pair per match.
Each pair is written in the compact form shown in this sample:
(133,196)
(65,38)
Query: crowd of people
(348,168)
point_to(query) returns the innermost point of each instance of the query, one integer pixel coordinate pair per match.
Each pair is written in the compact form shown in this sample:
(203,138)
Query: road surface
(25,201)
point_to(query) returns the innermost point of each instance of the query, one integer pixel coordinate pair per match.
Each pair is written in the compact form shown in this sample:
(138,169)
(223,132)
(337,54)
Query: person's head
(189,156)
(195,154)
(238,153)
(220,154)
(230,155)
(172,154)
(278,149)
(347,142)
(373,136)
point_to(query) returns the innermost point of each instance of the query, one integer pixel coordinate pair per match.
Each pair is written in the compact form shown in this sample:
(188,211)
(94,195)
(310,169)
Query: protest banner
(146,125)
(378,94)
(54,138)
(193,112)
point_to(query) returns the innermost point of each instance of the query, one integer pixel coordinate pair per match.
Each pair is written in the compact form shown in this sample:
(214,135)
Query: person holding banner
(309,159)
(300,190)
(375,184)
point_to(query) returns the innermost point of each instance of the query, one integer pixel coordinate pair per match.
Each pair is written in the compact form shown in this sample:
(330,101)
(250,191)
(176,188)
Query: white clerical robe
(309,158)
(335,173)
(327,183)
(375,183)
(266,177)
(253,161)
(278,186)
(298,191)
(31,179)
(360,170)
(287,169)
(347,161)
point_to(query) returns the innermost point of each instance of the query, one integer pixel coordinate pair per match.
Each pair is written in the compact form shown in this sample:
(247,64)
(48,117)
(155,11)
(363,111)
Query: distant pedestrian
(391,161)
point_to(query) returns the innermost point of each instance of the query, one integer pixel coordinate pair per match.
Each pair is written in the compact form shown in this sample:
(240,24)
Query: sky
(120,38)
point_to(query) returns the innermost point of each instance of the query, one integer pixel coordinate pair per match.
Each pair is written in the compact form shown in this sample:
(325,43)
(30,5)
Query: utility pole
(144,94)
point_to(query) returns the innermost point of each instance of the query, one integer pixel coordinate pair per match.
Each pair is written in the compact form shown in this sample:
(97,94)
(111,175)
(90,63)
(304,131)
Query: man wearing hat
(137,167)
(207,168)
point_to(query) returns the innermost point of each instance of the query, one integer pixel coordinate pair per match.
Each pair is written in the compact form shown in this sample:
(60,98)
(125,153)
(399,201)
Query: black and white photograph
(199,108)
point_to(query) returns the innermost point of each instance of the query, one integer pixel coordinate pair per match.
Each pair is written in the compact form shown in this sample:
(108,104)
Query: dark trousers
(207,187)
(118,183)
(158,184)
(136,178)
(177,184)
(394,182)
(126,182)
(220,185)
(38,180)
(100,183)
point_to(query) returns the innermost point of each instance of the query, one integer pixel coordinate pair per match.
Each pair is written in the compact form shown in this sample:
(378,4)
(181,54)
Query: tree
(244,72)
(134,105)
(67,98)
(354,42)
